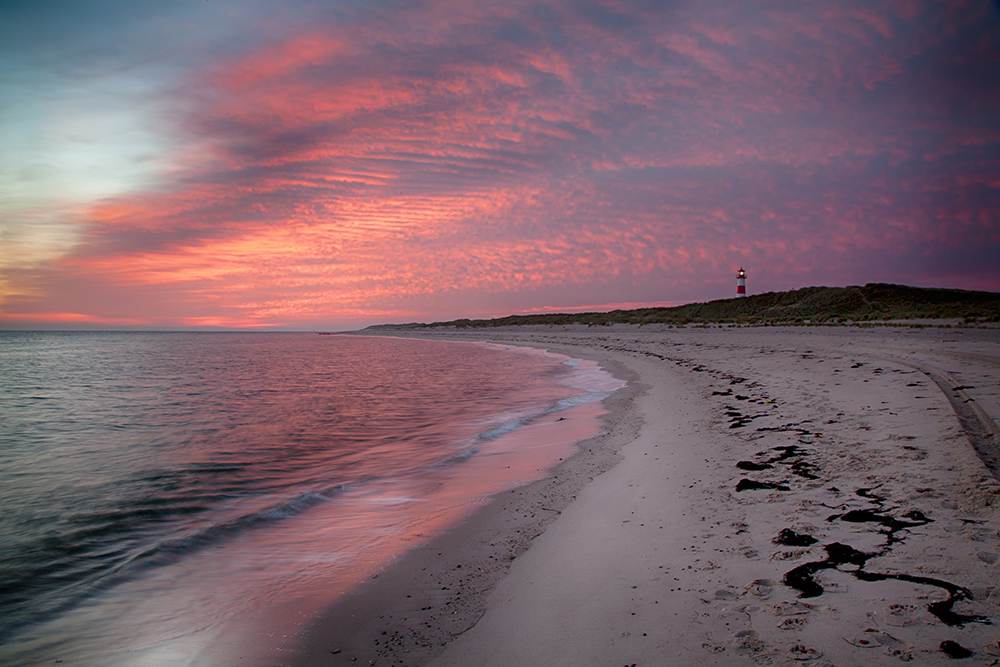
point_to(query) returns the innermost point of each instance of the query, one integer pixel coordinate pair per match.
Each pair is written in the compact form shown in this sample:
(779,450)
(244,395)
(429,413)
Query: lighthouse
(741,282)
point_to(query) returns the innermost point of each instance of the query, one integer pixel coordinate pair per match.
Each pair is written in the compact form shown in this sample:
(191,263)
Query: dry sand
(768,495)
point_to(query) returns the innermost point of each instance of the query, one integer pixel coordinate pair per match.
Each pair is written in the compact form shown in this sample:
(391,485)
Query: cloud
(441,157)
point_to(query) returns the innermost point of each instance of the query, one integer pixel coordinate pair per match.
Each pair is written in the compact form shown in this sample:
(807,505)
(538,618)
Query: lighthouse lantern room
(741,282)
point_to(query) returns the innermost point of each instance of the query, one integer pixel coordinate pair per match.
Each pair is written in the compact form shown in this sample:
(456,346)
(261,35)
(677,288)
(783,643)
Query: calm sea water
(193,498)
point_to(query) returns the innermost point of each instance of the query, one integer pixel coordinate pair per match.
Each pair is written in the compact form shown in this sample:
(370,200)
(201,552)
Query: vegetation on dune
(810,305)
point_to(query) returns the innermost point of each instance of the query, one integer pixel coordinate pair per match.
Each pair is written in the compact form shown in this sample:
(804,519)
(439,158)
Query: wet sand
(761,496)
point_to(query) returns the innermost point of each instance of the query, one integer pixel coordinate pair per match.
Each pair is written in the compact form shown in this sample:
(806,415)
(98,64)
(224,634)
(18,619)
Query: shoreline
(792,416)
(368,469)
(431,584)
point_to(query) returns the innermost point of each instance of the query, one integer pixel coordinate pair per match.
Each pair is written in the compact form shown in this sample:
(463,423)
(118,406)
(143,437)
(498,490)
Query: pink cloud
(452,155)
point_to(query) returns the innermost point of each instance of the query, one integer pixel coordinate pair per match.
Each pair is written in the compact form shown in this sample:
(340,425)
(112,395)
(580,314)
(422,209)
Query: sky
(335,164)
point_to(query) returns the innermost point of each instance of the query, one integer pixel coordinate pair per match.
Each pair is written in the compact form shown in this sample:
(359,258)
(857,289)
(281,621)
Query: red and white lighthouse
(741,282)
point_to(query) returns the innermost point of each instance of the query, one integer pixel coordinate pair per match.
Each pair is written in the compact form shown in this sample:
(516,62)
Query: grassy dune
(814,305)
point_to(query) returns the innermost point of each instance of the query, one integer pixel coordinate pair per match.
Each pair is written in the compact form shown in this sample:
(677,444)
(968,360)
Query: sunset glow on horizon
(335,165)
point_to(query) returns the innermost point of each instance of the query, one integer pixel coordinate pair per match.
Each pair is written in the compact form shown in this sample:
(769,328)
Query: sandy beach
(804,495)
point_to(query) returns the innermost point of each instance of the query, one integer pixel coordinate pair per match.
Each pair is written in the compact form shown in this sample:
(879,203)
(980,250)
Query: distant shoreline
(871,304)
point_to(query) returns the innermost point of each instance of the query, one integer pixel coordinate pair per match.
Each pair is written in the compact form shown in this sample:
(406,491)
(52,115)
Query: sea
(198,498)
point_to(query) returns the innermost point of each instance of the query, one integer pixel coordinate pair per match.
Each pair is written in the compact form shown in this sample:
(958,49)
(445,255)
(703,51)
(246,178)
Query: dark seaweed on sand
(802,578)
